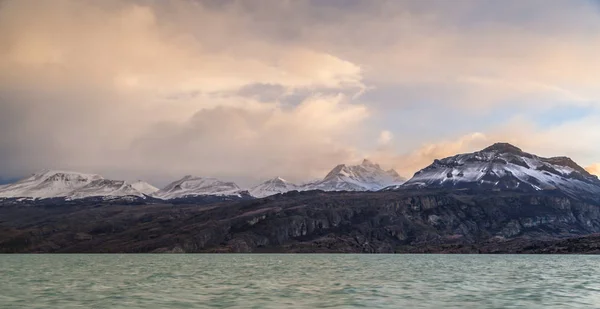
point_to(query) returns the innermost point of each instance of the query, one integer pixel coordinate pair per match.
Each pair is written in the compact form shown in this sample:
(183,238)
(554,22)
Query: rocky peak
(368,163)
(503,148)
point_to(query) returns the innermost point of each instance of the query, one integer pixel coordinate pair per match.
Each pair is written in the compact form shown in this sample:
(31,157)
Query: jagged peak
(369,163)
(392,172)
(503,147)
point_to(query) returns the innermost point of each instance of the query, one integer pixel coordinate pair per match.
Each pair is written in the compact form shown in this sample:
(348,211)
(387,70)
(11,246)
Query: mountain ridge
(501,166)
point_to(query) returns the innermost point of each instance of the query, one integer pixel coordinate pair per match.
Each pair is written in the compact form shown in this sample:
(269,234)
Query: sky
(249,90)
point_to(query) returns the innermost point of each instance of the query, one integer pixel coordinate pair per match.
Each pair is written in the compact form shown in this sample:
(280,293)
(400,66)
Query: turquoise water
(299,281)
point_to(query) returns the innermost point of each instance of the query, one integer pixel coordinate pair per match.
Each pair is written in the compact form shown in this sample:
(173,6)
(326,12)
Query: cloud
(251,145)
(474,54)
(408,163)
(519,131)
(129,47)
(385,137)
(594,169)
(248,90)
(85,85)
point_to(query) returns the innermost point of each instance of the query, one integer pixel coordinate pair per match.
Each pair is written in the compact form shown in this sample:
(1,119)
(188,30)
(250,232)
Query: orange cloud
(109,62)
(409,163)
(517,132)
(148,53)
(594,169)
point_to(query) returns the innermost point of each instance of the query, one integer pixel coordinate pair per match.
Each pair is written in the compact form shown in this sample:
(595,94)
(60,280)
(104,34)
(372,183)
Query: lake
(299,281)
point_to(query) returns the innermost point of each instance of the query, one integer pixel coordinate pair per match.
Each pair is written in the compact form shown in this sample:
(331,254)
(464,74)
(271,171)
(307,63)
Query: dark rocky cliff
(404,221)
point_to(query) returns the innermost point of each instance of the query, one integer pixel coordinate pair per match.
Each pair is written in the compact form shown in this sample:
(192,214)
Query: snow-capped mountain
(197,186)
(504,166)
(367,176)
(272,187)
(69,185)
(144,187)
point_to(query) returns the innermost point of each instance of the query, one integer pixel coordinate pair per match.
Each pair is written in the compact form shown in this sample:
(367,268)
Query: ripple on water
(298,281)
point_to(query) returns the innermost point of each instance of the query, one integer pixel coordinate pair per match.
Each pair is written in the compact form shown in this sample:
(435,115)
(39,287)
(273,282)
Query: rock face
(401,221)
(505,167)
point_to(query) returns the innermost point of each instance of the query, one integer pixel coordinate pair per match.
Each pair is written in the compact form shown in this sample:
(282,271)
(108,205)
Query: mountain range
(496,200)
(499,167)
(366,176)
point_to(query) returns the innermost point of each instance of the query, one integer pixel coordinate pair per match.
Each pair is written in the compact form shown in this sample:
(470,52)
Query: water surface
(299,281)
